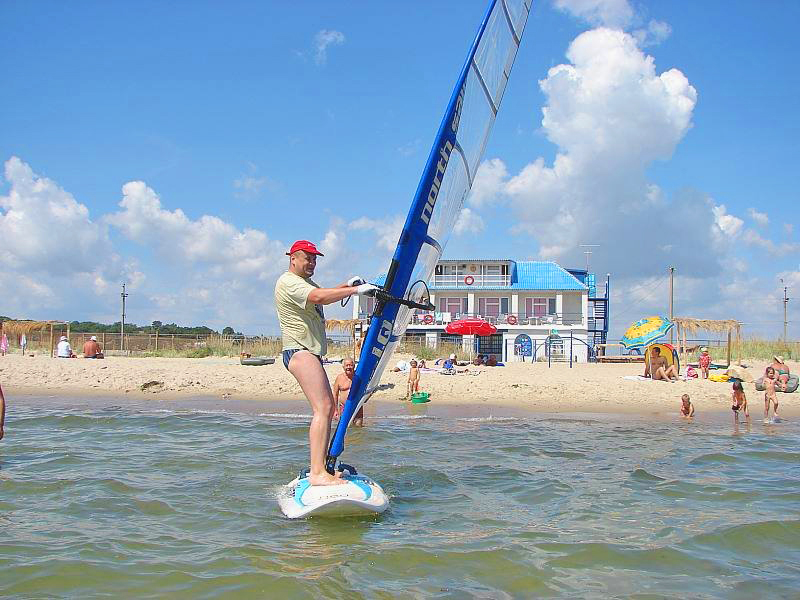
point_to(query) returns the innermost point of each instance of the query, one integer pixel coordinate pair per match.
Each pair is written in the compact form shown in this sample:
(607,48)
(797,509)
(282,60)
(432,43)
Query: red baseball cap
(304,245)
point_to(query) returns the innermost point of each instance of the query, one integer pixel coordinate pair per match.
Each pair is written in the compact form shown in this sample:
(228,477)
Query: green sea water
(150,500)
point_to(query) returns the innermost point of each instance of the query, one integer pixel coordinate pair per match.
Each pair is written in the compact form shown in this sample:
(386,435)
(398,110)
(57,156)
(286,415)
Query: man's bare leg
(312,379)
(660,374)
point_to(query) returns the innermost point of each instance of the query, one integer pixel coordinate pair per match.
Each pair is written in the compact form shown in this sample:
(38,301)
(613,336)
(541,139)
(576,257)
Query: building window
(489,307)
(535,307)
(551,306)
(454,306)
(504,306)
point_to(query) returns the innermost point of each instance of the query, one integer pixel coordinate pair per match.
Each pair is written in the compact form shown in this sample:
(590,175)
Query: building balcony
(476,280)
(437,319)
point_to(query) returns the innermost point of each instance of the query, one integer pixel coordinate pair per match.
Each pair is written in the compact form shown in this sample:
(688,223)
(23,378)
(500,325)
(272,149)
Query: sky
(182,147)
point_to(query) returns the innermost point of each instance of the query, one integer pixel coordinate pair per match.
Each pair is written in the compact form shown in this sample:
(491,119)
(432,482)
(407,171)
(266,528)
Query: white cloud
(728,225)
(468,222)
(655,33)
(753,238)
(387,231)
(610,13)
(207,241)
(250,185)
(323,39)
(43,227)
(611,115)
(760,218)
(488,180)
(54,255)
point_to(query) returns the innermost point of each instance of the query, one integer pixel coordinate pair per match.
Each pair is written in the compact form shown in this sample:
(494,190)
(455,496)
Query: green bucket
(420,397)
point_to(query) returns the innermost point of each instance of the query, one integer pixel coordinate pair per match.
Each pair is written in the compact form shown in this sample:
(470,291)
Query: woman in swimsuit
(739,401)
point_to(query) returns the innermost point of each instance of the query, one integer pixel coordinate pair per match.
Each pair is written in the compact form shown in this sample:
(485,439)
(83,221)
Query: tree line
(156,326)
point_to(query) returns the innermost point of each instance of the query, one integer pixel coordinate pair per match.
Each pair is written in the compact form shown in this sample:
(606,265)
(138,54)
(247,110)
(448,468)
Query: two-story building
(538,307)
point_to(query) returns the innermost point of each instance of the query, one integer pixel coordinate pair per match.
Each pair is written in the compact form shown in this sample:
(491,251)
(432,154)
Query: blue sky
(182,147)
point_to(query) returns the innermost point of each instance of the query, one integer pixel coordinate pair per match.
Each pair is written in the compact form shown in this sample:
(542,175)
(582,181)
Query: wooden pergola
(346,325)
(27,327)
(730,326)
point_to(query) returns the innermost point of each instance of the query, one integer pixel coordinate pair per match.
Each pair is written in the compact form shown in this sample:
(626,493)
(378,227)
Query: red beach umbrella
(470,326)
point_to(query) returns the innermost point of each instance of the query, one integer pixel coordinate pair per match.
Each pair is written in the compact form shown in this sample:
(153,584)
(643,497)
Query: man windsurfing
(298,302)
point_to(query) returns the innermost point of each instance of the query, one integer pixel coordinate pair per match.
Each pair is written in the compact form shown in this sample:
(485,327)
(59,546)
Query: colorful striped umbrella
(646,331)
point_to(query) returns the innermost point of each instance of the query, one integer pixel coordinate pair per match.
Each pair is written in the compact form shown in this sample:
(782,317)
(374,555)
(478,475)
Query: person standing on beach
(738,401)
(298,302)
(341,385)
(770,383)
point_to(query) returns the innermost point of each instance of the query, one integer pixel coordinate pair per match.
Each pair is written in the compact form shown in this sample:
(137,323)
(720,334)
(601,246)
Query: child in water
(769,394)
(687,408)
(738,401)
(704,362)
(413,379)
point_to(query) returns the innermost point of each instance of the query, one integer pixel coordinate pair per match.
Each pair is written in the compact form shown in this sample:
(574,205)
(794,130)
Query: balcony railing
(470,280)
(429,319)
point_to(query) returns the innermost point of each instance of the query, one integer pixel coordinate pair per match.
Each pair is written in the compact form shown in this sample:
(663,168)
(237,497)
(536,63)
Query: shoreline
(516,389)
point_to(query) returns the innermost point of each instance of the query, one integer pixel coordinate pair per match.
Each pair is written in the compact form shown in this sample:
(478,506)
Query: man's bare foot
(326,479)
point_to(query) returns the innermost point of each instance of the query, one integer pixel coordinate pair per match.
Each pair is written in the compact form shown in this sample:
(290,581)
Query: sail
(443,188)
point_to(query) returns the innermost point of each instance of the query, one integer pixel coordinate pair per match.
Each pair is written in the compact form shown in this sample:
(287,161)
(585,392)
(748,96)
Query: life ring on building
(511,319)
(427,319)
(469,280)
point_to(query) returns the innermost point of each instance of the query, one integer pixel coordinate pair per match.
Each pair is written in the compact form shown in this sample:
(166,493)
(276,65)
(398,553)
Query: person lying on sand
(687,408)
(657,367)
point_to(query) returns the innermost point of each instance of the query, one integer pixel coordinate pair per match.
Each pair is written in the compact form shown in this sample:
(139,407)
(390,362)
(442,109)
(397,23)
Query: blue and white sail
(443,188)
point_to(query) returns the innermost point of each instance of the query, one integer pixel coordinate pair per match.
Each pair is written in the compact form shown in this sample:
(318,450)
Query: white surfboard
(359,496)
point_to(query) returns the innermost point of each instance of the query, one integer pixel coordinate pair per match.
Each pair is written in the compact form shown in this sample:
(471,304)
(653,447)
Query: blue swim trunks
(287,356)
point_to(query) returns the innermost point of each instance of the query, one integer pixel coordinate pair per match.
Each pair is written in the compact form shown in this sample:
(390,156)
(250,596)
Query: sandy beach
(591,388)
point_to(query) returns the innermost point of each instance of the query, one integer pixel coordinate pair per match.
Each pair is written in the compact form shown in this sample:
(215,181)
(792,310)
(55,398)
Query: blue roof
(525,275)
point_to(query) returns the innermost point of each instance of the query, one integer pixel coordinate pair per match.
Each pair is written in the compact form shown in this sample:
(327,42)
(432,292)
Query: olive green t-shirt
(302,322)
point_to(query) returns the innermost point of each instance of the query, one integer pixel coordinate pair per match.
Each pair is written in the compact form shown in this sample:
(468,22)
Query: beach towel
(719,378)
(636,377)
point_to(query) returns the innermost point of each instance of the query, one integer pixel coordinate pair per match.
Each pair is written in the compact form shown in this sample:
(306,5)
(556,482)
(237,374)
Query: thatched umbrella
(728,326)
(347,325)
(27,327)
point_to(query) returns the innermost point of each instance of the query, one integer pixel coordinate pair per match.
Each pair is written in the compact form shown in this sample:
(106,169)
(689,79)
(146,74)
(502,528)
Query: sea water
(148,500)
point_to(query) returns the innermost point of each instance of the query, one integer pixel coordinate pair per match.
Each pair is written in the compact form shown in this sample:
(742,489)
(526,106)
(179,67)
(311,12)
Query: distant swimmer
(341,385)
(298,302)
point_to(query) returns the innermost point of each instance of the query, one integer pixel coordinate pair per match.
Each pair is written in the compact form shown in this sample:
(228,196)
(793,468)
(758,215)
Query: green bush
(201,352)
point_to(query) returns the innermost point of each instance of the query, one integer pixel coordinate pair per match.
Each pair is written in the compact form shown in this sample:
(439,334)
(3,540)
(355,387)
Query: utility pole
(122,323)
(785,306)
(671,303)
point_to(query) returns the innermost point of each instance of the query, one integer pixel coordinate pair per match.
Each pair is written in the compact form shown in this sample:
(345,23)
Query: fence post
(156,340)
